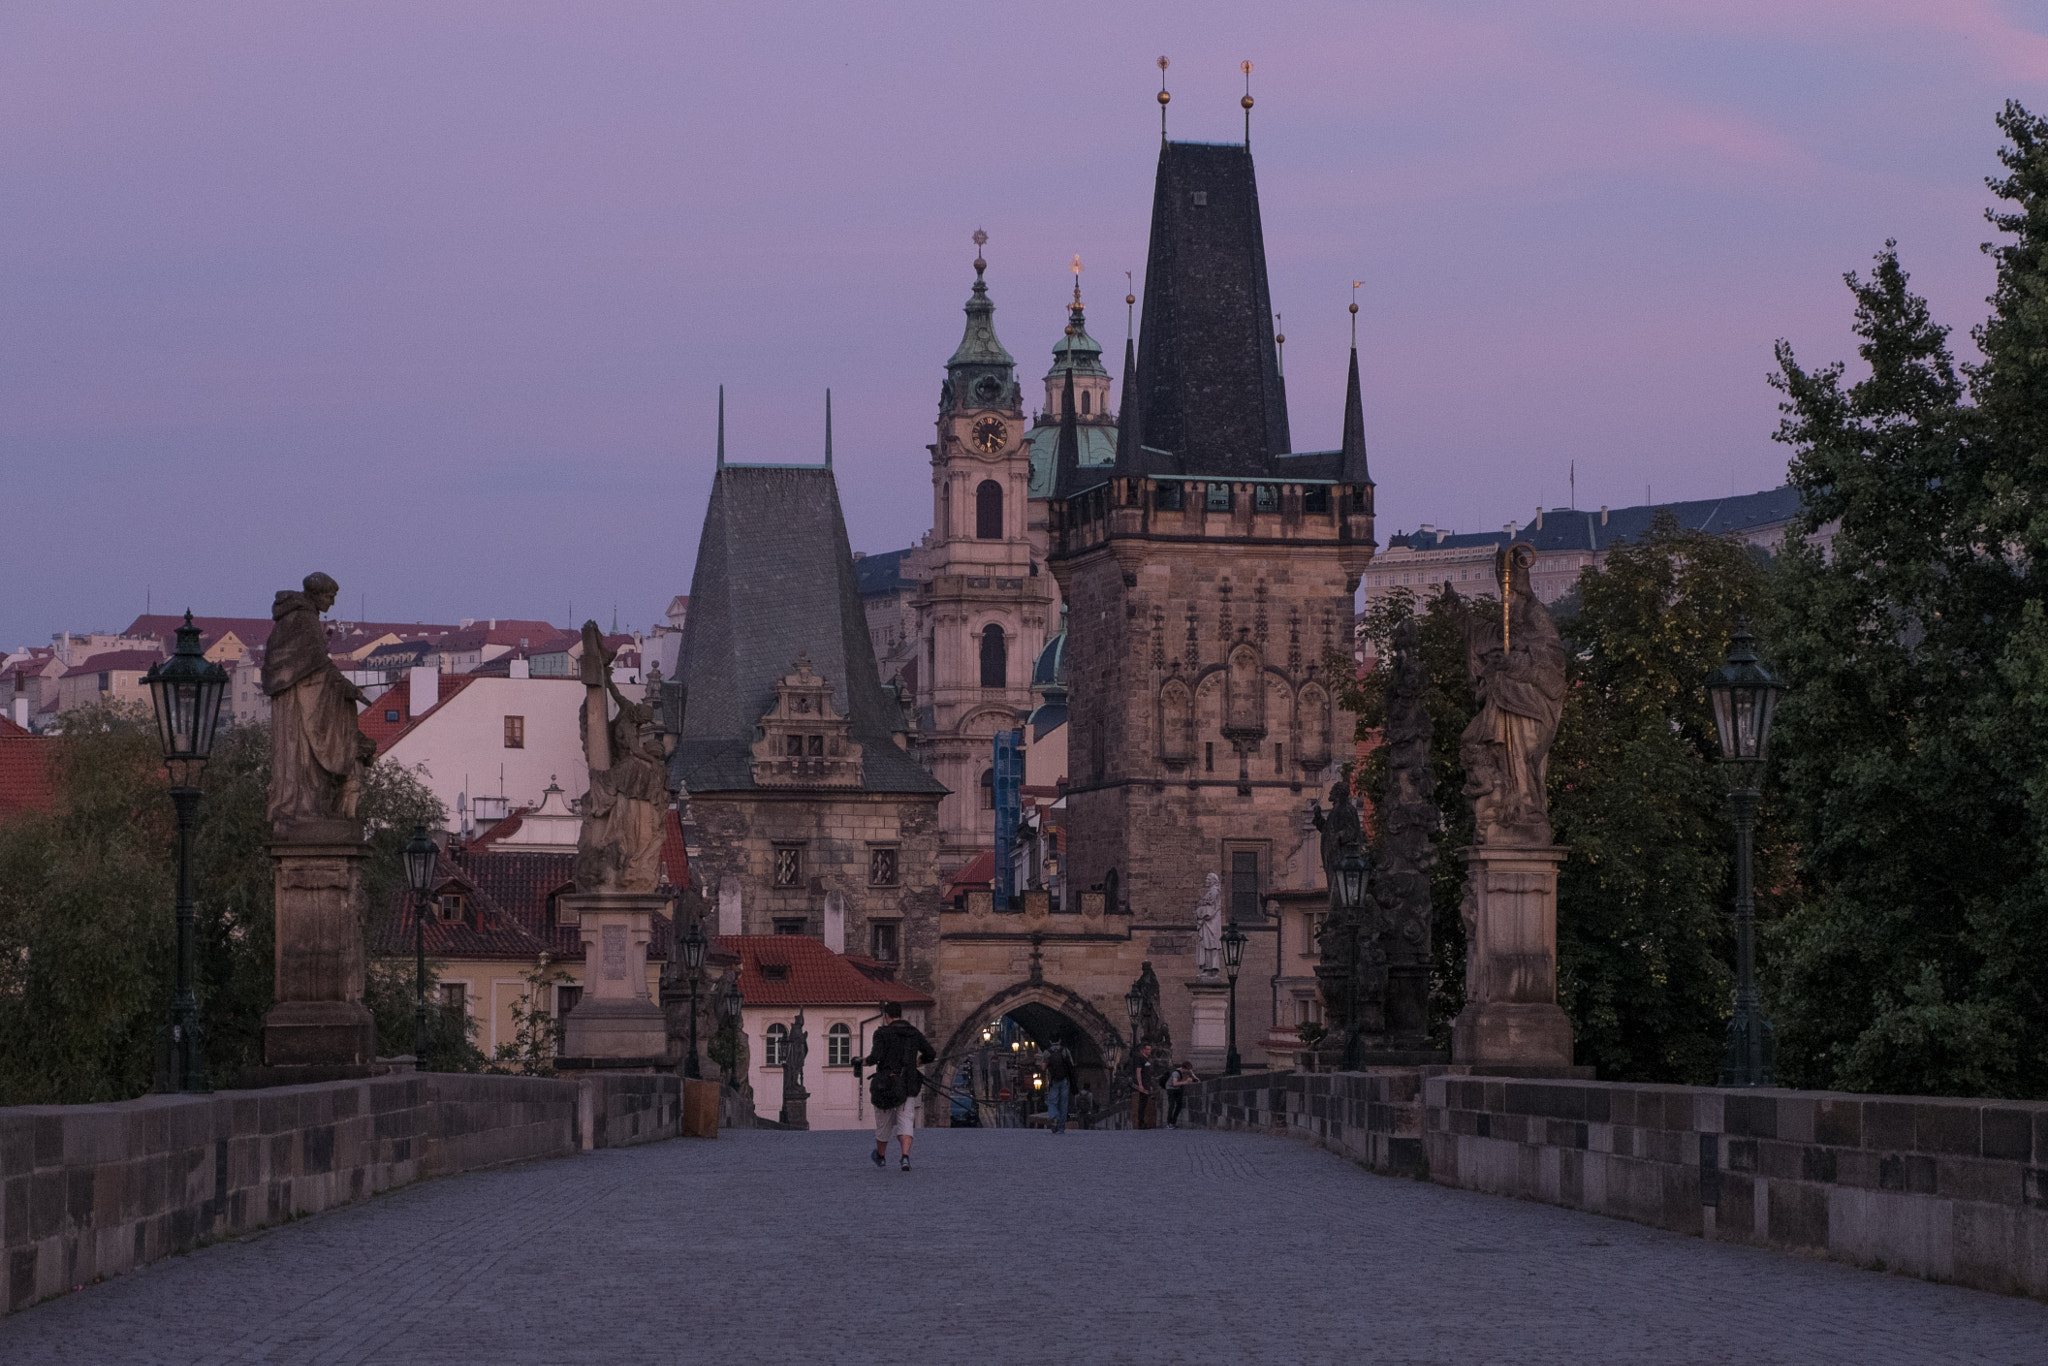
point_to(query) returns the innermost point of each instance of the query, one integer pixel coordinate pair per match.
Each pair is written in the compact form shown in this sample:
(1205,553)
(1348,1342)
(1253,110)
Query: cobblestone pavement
(1001,1246)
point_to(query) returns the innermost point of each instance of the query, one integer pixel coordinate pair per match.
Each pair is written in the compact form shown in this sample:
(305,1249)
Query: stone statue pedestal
(1511,1018)
(319,1028)
(617,1022)
(1209,1036)
(796,1110)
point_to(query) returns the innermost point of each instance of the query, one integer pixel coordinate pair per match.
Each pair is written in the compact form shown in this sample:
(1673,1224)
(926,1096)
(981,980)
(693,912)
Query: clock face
(989,433)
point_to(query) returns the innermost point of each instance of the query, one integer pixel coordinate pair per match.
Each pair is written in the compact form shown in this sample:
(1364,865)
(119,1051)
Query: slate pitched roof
(1210,398)
(774,580)
(1576,529)
(883,573)
(811,974)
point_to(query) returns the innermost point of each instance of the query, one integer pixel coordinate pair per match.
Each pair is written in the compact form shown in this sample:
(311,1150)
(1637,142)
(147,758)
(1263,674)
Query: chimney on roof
(519,668)
(1538,524)
(424,683)
(494,623)
(1603,514)
(21,712)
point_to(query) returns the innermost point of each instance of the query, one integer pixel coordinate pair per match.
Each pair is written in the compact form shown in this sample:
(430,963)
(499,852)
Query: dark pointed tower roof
(1351,468)
(1209,376)
(1128,435)
(1066,462)
(775,580)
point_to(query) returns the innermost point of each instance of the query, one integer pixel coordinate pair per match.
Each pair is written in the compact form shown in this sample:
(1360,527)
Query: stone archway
(1044,1011)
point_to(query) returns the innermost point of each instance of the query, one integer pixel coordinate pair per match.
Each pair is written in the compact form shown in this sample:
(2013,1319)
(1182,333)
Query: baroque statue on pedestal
(619,847)
(1516,662)
(317,754)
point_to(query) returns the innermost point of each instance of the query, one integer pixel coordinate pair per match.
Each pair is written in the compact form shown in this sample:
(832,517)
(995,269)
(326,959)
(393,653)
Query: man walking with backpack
(897,1050)
(1059,1083)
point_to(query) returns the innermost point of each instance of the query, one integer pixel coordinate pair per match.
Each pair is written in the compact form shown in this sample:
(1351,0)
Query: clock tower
(984,600)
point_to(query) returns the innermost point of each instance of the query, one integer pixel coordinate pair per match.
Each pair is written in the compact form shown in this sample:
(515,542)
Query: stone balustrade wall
(1949,1189)
(88,1191)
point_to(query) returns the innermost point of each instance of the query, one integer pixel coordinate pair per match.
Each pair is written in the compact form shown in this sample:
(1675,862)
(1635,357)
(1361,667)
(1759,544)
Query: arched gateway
(1044,1011)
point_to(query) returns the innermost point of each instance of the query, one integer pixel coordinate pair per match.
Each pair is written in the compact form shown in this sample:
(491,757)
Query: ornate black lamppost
(1352,873)
(733,1002)
(419,875)
(693,962)
(1233,959)
(186,691)
(1745,696)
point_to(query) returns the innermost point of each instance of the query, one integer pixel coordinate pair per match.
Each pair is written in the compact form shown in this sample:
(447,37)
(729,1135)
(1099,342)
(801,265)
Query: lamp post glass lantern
(185,691)
(693,961)
(1745,700)
(1233,959)
(420,852)
(733,1002)
(1353,873)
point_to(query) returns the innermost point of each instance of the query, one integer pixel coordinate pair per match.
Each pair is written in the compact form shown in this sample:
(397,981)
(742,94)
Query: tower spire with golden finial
(1246,68)
(1354,313)
(1163,98)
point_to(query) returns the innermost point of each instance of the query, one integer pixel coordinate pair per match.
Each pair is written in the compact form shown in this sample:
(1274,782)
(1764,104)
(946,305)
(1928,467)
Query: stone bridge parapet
(1947,1189)
(88,1191)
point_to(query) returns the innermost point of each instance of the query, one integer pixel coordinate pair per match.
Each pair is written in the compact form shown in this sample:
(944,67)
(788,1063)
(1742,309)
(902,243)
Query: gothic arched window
(988,511)
(995,655)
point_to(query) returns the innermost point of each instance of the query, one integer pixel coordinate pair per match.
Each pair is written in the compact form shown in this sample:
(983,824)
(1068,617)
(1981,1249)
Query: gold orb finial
(1354,308)
(1130,298)
(1246,101)
(1163,64)
(1164,97)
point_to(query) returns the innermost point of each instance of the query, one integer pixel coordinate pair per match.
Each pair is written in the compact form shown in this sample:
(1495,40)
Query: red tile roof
(980,873)
(511,912)
(24,771)
(812,974)
(398,698)
(137,661)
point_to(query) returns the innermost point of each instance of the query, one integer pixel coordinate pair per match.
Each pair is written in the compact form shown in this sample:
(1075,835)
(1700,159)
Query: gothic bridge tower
(1209,576)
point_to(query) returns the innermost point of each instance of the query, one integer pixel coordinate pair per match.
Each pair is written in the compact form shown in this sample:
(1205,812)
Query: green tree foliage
(1643,930)
(1643,912)
(87,908)
(1914,753)
(1439,635)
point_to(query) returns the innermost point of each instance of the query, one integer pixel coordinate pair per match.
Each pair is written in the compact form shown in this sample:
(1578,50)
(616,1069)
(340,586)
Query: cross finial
(1077,268)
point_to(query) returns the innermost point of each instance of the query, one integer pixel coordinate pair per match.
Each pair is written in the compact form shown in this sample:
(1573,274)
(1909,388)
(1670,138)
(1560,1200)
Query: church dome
(1051,669)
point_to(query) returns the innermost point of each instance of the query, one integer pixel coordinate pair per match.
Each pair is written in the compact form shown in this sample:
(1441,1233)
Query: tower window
(789,867)
(1316,500)
(995,656)
(1219,497)
(988,511)
(1209,756)
(1267,498)
(1167,498)
(1244,884)
(817,746)
(988,789)
(882,941)
(1085,397)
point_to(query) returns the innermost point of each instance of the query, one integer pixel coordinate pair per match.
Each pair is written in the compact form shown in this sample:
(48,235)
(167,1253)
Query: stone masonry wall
(1949,1189)
(89,1191)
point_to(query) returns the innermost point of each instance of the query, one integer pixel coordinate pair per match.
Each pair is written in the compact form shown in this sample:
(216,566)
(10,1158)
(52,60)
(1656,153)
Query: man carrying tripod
(897,1050)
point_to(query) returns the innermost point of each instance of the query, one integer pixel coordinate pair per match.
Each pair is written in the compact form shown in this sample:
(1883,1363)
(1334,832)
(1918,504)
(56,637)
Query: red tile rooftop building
(24,771)
(797,970)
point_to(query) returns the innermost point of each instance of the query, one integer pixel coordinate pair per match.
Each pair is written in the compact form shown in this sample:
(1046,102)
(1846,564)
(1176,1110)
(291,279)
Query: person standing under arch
(1059,1083)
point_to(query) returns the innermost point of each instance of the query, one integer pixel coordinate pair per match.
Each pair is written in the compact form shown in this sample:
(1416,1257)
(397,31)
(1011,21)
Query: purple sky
(436,297)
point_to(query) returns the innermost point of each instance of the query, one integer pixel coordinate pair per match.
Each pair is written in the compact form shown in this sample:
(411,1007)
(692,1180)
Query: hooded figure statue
(317,753)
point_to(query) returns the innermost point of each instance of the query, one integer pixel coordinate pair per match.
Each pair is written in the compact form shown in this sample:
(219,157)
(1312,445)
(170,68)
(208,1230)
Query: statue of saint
(1516,663)
(317,755)
(619,847)
(1340,828)
(1209,927)
(794,1052)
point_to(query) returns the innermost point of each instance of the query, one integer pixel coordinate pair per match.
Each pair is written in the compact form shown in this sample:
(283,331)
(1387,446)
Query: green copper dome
(1076,350)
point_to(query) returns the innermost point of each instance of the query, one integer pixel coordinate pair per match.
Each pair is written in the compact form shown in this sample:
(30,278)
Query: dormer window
(775,972)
